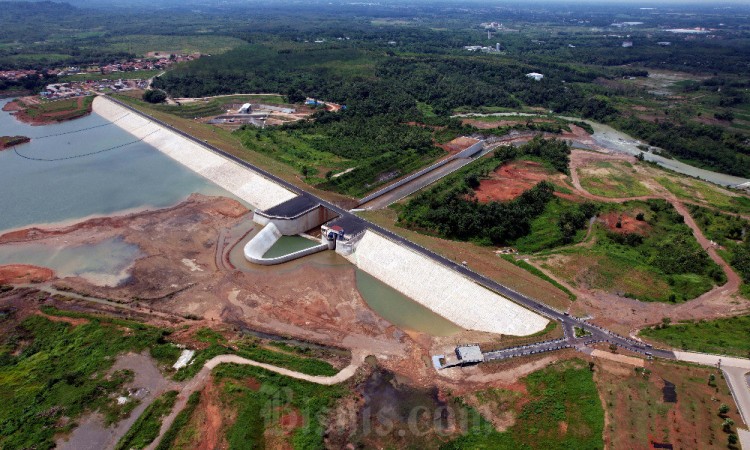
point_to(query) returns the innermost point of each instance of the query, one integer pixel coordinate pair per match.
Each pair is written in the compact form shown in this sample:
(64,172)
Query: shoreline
(20,112)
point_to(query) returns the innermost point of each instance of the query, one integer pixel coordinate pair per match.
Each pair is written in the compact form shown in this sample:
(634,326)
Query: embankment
(247,185)
(442,290)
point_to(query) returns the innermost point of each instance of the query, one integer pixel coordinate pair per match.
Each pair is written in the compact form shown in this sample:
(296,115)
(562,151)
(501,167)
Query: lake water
(134,176)
(105,263)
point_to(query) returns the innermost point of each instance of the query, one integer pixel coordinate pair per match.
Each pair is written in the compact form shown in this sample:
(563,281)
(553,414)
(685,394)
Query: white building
(535,76)
(246,109)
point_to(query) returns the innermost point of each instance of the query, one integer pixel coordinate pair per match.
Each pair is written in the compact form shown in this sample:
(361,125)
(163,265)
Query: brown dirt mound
(628,224)
(484,125)
(512,179)
(24,273)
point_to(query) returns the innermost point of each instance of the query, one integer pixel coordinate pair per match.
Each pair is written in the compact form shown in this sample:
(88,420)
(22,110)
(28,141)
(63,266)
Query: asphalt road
(596,334)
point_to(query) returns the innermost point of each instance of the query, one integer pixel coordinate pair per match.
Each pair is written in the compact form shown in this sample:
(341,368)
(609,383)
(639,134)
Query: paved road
(597,334)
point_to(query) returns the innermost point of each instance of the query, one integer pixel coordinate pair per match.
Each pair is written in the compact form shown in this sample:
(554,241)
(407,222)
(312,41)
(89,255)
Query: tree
(732,439)
(641,156)
(727,425)
(724,408)
(154,96)
(613,348)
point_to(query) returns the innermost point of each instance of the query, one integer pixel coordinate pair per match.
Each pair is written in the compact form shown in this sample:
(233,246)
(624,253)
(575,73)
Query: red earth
(511,180)
(628,224)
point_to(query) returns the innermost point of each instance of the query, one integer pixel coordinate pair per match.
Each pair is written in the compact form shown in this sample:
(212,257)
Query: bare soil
(511,180)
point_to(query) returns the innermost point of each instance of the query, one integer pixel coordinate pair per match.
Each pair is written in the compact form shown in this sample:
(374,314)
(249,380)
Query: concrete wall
(293,226)
(442,290)
(264,240)
(249,186)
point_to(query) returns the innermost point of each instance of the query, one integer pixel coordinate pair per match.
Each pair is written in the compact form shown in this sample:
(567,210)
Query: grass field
(721,336)
(612,179)
(216,105)
(638,413)
(561,411)
(258,399)
(656,259)
(695,190)
(141,44)
(51,370)
(59,110)
(146,427)
(252,349)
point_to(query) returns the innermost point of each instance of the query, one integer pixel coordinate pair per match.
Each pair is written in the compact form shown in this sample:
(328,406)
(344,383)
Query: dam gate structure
(292,217)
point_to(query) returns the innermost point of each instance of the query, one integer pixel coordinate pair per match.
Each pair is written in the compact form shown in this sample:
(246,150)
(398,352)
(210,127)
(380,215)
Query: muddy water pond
(105,263)
(85,167)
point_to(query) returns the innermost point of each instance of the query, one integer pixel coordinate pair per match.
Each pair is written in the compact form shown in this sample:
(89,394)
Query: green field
(146,427)
(721,336)
(255,350)
(50,370)
(619,181)
(563,393)
(217,105)
(661,262)
(142,44)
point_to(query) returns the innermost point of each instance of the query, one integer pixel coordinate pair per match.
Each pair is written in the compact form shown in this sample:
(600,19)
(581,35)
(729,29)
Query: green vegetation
(533,270)
(140,44)
(154,96)
(50,370)
(252,349)
(447,209)
(562,393)
(721,336)
(146,427)
(10,141)
(182,418)
(657,259)
(614,181)
(59,110)
(278,395)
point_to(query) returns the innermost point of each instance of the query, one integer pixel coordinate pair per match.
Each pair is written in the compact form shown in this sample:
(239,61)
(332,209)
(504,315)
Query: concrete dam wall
(245,184)
(264,240)
(442,290)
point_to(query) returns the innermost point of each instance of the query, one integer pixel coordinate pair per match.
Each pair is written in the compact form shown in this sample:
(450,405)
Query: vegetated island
(10,141)
(36,111)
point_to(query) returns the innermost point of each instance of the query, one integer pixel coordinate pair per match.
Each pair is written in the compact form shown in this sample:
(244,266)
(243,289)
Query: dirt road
(200,379)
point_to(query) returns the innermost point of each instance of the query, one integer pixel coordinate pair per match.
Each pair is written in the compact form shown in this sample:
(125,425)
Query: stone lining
(247,185)
(442,290)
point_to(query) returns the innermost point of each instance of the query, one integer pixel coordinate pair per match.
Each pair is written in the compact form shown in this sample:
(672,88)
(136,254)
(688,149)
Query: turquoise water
(105,263)
(134,176)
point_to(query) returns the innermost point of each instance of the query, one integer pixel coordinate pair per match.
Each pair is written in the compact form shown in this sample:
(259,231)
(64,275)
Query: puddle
(400,310)
(106,263)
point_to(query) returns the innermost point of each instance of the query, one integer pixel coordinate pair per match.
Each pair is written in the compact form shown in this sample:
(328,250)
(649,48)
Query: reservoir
(89,167)
(125,175)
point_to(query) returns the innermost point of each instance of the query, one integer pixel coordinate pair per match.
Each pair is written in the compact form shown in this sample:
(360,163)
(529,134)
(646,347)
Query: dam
(283,210)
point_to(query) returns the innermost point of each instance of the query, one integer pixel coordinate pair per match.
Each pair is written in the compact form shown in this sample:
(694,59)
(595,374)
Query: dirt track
(626,315)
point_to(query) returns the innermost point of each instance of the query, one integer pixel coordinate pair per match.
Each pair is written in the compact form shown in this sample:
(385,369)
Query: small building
(664,43)
(469,354)
(245,109)
(627,44)
(535,76)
